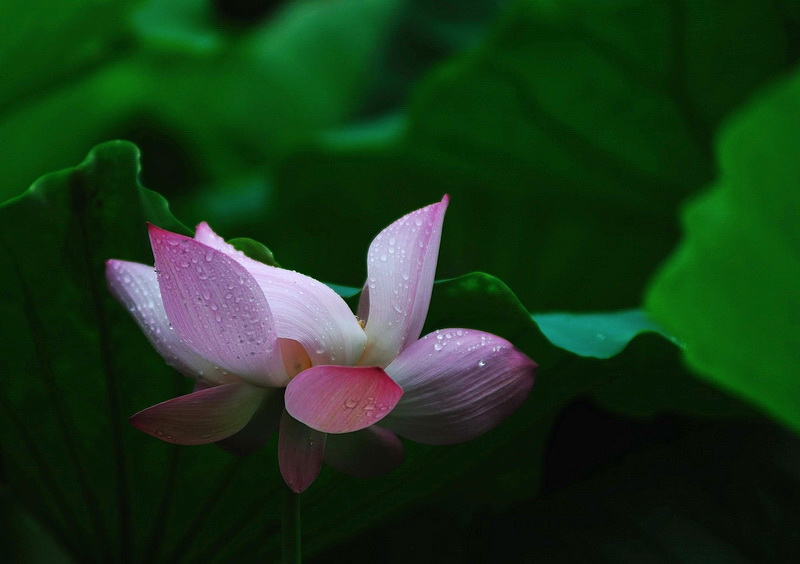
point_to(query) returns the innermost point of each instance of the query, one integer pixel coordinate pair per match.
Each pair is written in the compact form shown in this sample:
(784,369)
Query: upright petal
(136,287)
(300,452)
(202,417)
(370,452)
(341,399)
(217,308)
(458,383)
(401,264)
(304,309)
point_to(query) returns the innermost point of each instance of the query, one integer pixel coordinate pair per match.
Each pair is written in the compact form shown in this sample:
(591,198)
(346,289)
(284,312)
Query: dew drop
(351,403)
(438,346)
(481,363)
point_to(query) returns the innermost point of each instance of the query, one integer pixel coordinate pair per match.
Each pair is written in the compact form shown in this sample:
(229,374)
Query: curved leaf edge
(601,335)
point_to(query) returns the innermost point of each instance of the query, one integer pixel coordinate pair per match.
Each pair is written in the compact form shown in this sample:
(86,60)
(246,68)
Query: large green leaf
(108,492)
(566,140)
(260,89)
(50,42)
(75,367)
(730,291)
(598,335)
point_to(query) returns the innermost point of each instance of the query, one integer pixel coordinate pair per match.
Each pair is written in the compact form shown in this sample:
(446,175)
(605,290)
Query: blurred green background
(600,156)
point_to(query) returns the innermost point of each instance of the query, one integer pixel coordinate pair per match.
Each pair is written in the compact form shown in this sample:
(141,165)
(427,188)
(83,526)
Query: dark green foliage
(572,137)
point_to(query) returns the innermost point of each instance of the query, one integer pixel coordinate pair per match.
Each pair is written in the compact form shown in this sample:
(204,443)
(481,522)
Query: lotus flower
(271,348)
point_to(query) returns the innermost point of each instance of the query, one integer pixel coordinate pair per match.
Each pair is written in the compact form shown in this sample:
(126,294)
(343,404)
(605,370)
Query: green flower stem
(290,528)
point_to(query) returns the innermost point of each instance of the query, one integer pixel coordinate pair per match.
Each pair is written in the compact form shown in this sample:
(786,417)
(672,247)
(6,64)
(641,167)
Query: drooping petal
(217,308)
(458,383)
(202,417)
(300,452)
(341,399)
(304,309)
(370,452)
(136,287)
(401,265)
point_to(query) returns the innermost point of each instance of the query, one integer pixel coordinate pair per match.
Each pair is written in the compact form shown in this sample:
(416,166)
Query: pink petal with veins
(370,452)
(304,309)
(217,308)
(300,452)
(458,384)
(341,399)
(202,417)
(136,287)
(401,264)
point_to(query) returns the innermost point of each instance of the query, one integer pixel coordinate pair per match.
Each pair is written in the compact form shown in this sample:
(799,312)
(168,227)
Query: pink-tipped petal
(136,287)
(217,308)
(341,399)
(300,452)
(401,265)
(304,309)
(202,417)
(458,383)
(367,453)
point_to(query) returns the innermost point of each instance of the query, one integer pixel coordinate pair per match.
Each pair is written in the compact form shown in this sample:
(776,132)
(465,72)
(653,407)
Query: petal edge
(459,384)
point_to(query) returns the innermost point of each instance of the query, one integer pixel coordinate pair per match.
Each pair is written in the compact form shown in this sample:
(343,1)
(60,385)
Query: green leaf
(105,489)
(730,291)
(263,89)
(75,367)
(49,42)
(545,137)
(599,335)
(254,250)
(482,301)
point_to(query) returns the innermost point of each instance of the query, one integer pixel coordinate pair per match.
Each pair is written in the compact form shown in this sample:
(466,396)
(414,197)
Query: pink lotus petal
(136,287)
(341,399)
(366,453)
(304,309)
(458,383)
(300,451)
(401,264)
(217,308)
(202,417)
